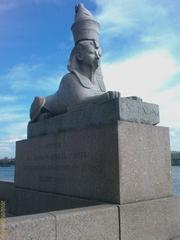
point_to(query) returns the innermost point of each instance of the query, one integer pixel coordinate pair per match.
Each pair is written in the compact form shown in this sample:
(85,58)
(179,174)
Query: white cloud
(17,129)
(9,117)
(144,75)
(127,15)
(14,109)
(151,20)
(45,1)
(10,134)
(175,139)
(10,4)
(6,151)
(24,77)
(18,76)
(8,98)
(13,121)
(138,26)
(9,113)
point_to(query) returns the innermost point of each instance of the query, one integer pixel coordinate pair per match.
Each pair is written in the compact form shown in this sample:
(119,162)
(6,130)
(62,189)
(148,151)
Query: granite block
(36,227)
(7,193)
(151,220)
(118,163)
(82,163)
(87,115)
(144,162)
(30,202)
(157,219)
(95,223)
(138,111)
(6,190)
(98,222)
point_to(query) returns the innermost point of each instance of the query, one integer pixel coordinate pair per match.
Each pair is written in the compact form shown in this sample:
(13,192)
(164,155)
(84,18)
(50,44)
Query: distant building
(7,161)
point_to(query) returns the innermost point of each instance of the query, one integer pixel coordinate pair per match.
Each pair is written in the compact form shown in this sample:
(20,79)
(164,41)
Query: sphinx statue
(84,82)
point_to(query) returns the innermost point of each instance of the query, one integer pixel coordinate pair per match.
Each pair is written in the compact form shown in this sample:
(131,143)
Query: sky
(141,56)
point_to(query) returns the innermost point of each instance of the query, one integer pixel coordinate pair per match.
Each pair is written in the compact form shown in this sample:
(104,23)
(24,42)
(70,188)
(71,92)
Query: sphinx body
(84,82)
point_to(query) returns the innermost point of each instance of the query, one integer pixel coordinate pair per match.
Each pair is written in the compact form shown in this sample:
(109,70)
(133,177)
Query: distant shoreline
(7,164)
(175,158)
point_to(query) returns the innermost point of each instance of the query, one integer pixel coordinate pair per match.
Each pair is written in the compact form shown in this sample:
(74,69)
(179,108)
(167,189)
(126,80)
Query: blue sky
(141,56)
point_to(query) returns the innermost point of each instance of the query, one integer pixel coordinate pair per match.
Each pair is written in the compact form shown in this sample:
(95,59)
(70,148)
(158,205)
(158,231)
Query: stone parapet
(153,220)
(7,190)
(98,222)
(36,227)
(7,194)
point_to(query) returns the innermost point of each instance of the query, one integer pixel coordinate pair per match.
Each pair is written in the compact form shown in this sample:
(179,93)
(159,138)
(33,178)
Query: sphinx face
(91,56)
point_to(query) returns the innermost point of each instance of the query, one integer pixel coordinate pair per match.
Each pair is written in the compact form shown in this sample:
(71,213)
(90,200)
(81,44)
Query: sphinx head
(86,52)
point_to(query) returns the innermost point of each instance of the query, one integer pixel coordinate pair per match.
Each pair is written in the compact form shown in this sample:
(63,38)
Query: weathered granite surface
(27,201)
(7,190)
(147,220)
(7,194)
(117,163)
(151,220)
(97,223)
(36,227)
(144,162)
(86,115)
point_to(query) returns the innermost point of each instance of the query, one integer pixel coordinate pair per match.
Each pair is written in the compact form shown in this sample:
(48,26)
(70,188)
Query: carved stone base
(118,163)
(88,115)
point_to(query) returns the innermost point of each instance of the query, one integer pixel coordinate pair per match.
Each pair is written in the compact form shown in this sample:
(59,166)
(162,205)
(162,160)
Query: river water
(7,174)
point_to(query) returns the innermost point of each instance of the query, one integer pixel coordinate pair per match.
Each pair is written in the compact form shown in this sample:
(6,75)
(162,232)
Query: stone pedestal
(116,156)
(96,115)
(119,163)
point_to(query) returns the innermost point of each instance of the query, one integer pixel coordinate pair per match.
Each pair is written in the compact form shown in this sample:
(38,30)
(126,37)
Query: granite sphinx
(84,82)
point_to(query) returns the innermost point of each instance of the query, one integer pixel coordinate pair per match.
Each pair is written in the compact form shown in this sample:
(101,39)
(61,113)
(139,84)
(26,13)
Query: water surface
(7,173)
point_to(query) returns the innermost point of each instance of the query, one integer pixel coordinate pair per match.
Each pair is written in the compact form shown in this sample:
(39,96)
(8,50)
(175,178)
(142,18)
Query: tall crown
(84,27)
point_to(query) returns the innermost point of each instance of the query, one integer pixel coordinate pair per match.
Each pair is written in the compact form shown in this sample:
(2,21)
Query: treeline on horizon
(175,158)
(7,161)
